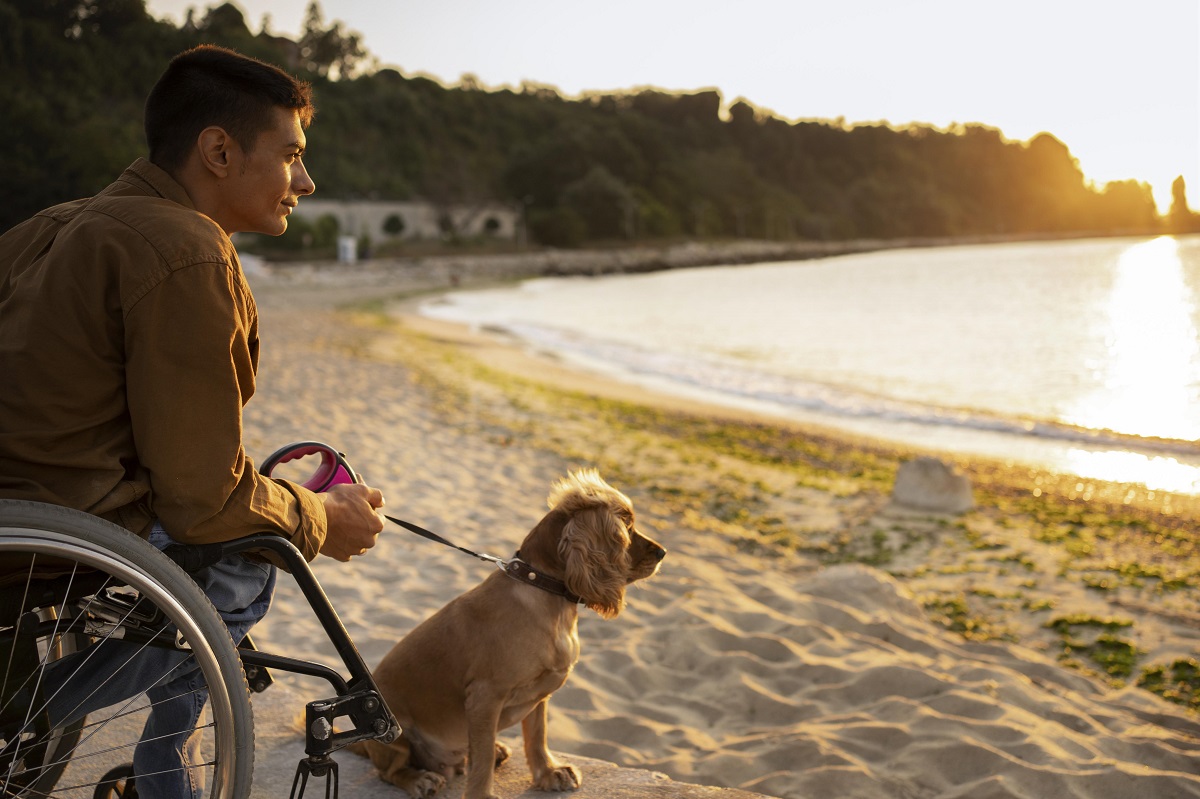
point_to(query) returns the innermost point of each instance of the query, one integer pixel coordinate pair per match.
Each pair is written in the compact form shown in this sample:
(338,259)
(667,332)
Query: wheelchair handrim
(51,543)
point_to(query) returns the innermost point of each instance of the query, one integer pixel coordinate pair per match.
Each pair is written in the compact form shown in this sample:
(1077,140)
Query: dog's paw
(421,784)
(502,753)
(560,778)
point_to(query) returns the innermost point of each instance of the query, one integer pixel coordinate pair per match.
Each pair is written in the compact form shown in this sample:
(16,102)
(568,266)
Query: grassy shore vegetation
(1096,574)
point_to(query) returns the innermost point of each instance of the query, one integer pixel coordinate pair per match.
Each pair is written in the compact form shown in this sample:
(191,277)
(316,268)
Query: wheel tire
(55,534)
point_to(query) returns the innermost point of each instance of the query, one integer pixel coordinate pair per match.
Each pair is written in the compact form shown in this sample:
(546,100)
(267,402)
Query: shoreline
(395,287)
(796,598)
(453,269)
(1064,449)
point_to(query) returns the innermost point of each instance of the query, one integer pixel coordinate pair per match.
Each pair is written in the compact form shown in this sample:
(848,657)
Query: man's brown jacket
(128,347)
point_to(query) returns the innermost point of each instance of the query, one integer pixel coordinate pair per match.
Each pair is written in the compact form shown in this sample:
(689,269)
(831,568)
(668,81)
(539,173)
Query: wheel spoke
(118,638)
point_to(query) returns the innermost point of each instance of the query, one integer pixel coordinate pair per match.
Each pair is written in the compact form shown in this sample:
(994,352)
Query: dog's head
(591,532)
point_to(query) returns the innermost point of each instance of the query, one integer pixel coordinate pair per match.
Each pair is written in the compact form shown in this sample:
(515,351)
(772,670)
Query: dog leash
(335,469)
(432,536)
(515,568)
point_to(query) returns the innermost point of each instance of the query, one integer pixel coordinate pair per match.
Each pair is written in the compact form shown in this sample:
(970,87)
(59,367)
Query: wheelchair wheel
(83,603)
(43,764)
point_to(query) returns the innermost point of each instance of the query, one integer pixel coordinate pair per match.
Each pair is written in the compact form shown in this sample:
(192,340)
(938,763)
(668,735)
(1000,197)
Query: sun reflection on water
(1153,357)
(1149,378)
(1153,471)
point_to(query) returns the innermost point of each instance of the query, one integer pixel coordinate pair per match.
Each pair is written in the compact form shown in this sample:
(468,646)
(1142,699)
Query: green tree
(329,52)
(603,202)
(558,227)
(1180,218)
(642,163)
(1126,206)
(225,22)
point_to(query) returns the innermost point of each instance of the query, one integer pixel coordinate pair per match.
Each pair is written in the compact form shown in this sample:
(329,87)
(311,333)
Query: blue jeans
(116,671)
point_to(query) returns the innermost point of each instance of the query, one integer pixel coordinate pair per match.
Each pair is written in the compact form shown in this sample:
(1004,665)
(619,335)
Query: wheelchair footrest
(367,712)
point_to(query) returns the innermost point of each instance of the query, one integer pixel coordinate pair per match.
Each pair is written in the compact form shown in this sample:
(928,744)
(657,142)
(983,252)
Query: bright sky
(1118,81)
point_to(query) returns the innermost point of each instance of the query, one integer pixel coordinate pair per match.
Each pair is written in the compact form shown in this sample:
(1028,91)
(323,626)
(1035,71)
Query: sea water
(1079,356)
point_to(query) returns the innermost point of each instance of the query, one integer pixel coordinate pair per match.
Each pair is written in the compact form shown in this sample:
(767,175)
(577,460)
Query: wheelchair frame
(356,699)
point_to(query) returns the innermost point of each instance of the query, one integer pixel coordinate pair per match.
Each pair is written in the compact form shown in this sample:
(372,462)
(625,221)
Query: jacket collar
(151,178)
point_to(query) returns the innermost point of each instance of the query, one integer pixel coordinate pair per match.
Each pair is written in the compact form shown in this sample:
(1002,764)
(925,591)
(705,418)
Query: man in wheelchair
(129,346)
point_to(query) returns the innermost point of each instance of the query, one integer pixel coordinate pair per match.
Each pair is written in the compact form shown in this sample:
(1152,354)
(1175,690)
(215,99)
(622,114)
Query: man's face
(266,183)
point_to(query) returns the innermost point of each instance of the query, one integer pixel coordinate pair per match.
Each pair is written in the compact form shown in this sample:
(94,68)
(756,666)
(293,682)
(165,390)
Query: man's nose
(301,182)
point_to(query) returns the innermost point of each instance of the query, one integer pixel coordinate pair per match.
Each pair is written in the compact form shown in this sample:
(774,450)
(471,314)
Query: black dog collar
(522,572)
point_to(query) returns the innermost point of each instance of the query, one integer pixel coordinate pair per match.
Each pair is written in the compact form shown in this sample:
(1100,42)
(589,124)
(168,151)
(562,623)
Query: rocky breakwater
(454,269)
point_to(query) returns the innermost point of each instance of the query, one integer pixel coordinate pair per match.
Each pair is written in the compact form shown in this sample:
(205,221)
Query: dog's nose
(658,553)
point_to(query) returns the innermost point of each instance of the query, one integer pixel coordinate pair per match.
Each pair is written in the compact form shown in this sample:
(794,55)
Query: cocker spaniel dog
(494,655)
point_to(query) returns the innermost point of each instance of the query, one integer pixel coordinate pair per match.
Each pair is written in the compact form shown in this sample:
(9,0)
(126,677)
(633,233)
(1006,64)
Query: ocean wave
(736,381)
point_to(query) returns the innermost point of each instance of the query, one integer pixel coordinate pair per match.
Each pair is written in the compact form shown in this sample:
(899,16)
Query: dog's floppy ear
(595,548)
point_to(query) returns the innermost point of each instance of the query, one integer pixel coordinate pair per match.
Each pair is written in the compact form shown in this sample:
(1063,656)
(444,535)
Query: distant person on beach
(129,346)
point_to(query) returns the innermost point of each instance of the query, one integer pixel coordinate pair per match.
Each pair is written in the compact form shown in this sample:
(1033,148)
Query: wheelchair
(73,585)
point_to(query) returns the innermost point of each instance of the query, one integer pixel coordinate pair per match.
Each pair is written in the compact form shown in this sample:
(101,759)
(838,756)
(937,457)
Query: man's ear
(215,147)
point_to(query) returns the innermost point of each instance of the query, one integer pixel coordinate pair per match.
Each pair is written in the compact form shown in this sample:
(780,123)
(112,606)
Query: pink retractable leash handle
(333,469)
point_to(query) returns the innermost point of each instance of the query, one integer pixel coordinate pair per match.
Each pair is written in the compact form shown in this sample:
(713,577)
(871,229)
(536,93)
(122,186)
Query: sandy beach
(806,636)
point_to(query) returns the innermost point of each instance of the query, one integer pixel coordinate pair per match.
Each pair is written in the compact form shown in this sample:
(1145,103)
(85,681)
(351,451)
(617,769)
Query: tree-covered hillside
(641,165)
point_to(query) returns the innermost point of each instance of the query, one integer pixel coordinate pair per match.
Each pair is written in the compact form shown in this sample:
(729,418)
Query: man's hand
(353,522)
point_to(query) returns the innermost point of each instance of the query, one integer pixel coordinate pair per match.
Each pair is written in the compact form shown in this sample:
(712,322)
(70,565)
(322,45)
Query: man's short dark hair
(210,85)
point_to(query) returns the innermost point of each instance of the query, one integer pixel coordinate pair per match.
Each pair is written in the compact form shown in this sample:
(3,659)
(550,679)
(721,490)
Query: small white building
(383,220)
